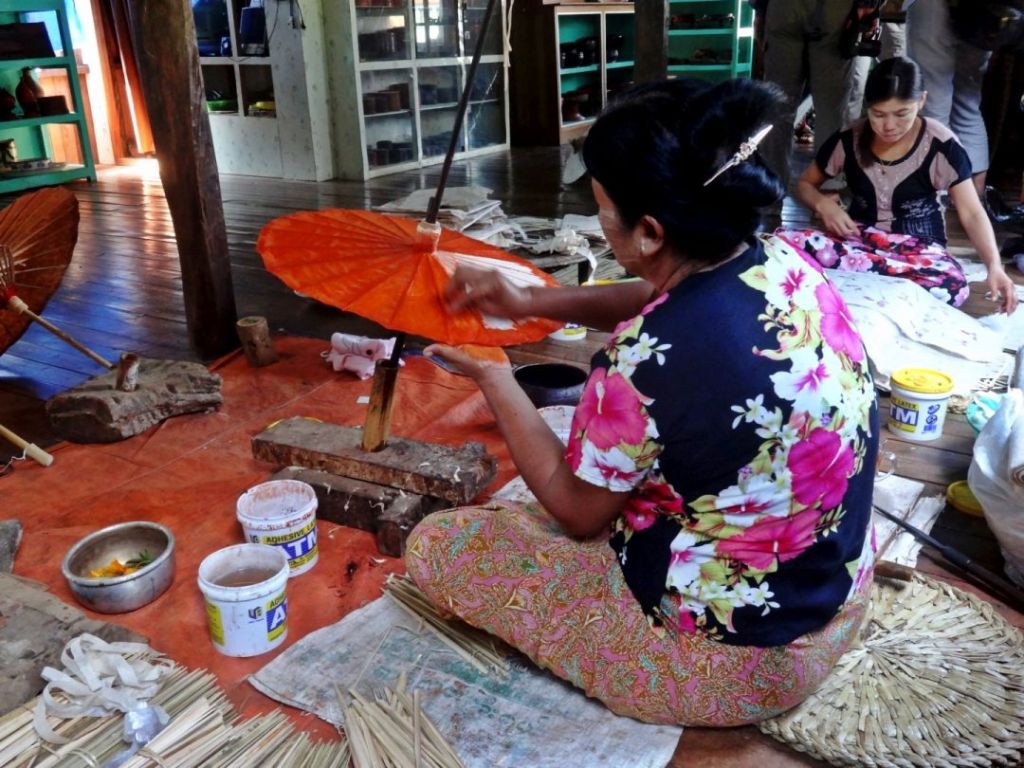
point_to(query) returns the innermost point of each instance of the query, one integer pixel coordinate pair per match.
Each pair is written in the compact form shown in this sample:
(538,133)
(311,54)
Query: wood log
(388,513)
(256,342)
(97,412)
(164,39)
(457,475)
(378,415)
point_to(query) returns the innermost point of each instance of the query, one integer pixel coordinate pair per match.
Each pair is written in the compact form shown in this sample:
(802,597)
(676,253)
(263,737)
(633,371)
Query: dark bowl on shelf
(551,383)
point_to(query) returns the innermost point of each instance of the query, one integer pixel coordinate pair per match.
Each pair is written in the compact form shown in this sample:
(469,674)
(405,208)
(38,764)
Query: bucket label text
(925,418)
(299,546)
(277,616)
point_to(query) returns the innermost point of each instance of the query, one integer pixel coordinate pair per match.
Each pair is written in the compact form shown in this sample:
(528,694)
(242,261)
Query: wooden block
(97,412)
(389,513)
(457,475)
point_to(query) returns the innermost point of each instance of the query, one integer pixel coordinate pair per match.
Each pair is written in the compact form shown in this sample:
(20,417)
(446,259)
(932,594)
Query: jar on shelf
(28,93)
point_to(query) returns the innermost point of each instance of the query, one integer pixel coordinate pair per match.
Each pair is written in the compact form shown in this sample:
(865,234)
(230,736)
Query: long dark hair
(653,149)
(896,78)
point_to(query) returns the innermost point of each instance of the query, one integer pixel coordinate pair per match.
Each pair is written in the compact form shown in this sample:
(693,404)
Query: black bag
(988,25)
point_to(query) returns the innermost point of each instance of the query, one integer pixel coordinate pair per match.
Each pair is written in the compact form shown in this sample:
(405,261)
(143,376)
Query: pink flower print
(653,499)
(961,296)
(610,469)
(574,451)
(827,256)
(610,411)
(686,623)
(649,307)
(686,559)
(837,326)
(772,538)
(855,261)
(821,467)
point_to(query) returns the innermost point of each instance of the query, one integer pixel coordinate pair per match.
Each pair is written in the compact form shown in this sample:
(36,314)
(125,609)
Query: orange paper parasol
(38,233)
(393,271)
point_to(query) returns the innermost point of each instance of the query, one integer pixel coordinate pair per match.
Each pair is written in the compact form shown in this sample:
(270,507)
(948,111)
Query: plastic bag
(996,477)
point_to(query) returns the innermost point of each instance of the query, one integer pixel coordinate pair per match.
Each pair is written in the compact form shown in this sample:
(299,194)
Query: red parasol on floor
(393,271)
(38,232)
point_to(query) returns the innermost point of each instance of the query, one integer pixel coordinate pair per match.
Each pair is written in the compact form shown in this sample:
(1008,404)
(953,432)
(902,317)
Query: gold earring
(643,247)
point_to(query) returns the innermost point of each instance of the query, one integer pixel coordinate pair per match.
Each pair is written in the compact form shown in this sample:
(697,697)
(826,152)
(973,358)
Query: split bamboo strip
(936,681)
(203,731)
(476,647)
(392,732)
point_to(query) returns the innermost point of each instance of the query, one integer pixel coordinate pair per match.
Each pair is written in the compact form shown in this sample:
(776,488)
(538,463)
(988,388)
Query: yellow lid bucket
(917,403)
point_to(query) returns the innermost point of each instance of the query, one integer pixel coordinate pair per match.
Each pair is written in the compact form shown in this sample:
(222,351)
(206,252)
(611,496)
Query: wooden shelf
(393,113)
(42,63)
(701,32)
(31,122)
(18,182)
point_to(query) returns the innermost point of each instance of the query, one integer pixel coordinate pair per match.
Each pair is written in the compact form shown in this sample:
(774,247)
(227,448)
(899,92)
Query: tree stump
(256,342)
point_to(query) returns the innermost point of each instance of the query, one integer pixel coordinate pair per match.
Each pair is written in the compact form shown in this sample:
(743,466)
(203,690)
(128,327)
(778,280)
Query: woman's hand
(473,367)
(487,291)
(1002,289)
(835,219)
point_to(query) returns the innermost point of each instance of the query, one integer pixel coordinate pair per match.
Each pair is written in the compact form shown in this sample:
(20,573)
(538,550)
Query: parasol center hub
(14,303)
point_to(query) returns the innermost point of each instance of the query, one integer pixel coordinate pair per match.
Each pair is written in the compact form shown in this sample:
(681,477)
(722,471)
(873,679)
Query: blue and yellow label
(299,546)
(216,622)
(276,614)
(909,416)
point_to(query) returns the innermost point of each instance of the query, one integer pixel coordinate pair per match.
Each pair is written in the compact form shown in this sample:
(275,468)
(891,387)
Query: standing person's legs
(894,40)
(831,77)
(786,25)
(965,118)
(931,45)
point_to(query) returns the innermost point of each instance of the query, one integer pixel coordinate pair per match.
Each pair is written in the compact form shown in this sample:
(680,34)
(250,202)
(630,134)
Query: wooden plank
(455,474)
(168,63)
(651,46)
(388,513)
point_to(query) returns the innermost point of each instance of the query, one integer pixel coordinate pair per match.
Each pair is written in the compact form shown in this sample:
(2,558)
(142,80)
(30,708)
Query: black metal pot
(551,383)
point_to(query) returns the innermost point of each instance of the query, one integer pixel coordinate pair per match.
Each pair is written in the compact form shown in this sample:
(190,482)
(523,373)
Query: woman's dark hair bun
(654,149)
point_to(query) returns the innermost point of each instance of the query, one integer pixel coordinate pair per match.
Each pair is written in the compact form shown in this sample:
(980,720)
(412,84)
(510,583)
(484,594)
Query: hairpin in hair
(742,154)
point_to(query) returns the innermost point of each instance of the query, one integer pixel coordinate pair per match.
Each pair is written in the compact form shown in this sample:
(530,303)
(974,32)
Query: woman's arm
(584,510)
(979,230)
(835,219)
(597,306)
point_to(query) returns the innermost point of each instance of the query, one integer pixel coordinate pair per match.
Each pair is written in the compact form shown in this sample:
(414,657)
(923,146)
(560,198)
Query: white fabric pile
(996,478)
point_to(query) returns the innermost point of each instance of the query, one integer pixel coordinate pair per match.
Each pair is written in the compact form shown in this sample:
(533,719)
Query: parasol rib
(31,450)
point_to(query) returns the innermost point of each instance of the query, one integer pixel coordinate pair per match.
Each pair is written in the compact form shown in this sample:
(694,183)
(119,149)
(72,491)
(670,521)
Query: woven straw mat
(936,680)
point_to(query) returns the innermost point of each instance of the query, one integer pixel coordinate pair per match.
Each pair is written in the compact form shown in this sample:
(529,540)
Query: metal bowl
(119,594)
(551,383)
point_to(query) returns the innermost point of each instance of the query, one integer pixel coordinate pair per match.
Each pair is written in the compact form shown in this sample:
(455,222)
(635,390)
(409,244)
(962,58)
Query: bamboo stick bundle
(204,730)
(476,647)
(391,731)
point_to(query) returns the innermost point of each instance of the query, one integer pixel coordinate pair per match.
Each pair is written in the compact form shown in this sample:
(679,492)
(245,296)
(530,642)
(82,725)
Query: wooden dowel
(21,307)
(31,450)
(256,342)
(128,373)
(378,418)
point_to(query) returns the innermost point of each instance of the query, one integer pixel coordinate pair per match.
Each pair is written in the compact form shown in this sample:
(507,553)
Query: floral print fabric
(738,411)
(922,261)
(510,570)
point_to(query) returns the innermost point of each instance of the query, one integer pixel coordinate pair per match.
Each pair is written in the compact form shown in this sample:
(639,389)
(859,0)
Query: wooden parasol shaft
(382,394)
(19,306)
(31,450)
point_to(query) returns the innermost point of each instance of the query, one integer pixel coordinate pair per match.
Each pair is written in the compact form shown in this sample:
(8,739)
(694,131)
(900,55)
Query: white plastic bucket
(250,619)
(917,403)
(282,513)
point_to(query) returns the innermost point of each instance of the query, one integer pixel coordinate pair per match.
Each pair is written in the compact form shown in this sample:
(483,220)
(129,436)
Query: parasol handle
(31,450)
(19,306)
(435,202)
(378,417)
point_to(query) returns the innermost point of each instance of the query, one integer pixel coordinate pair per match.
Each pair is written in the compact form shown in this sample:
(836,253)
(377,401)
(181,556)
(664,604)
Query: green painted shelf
(618,64)
(701,32)
(580,70)
(15,182)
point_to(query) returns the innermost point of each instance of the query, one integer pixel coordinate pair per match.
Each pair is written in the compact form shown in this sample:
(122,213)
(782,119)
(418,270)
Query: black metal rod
(396,352)
(435,202)
(1002,587)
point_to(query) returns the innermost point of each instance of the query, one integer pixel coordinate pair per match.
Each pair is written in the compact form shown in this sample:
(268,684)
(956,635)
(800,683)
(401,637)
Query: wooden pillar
(168,63)
(651,46)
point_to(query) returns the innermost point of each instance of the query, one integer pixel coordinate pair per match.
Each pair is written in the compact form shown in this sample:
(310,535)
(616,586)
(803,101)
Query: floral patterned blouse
(739,412)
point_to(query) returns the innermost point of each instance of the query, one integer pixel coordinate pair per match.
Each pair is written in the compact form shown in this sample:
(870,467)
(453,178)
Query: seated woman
(698,553)
(896,164)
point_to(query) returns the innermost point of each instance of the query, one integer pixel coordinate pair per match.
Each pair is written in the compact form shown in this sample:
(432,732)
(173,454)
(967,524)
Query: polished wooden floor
(122,292)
